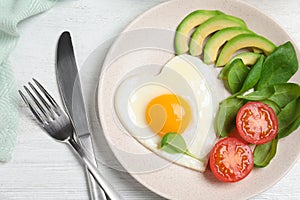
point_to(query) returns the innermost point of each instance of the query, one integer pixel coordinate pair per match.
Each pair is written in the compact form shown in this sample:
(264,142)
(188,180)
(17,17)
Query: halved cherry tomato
(231,160)
(257,123)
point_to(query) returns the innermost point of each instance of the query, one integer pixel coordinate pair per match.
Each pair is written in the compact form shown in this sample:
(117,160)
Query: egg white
(180,76)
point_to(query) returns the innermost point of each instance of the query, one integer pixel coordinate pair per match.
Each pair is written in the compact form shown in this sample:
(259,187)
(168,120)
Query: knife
(70,90)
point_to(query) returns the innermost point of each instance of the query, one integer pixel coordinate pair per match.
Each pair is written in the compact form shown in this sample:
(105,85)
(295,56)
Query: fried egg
(179,99)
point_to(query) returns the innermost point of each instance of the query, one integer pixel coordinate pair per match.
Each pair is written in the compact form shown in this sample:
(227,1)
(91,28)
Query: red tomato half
(231,160)
(257,123)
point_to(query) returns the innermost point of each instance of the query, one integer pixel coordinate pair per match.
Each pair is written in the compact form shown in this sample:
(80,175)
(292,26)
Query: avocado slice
(210,26)
(191,21)
(244,41)
(256,50)
(248,58)
(214,43)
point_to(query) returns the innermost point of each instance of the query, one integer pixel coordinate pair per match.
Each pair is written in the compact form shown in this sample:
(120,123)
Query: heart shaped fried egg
(179,99)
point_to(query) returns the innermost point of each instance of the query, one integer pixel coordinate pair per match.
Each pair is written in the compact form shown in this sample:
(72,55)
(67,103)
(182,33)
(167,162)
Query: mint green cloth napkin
(11,13)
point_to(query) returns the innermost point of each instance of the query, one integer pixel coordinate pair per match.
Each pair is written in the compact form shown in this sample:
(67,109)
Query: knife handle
(102,182)
(96,193)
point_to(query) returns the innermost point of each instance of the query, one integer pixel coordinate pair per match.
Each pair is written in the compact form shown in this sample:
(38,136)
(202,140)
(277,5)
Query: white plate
(146,45)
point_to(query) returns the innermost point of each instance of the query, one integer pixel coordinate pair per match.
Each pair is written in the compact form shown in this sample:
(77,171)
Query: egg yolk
(168,113)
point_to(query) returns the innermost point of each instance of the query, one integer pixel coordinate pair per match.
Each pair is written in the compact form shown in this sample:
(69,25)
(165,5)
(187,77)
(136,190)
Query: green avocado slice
(191,21)
(248,58)
(210,26)
(244,41)
(214,43)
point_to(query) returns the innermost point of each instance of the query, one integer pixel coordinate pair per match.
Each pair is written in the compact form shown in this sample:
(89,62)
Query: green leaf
(264,153)
(225,119)
(224,72)
(258,95)
(237,75)
(174,143)
(284,93)
(281,94)
(288,118)
(288,114)
(253,76)
(288,130)
(273,105)
(279,66)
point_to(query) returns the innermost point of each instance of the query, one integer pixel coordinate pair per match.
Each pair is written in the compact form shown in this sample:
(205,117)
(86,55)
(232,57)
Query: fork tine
(48,107)
(32,108)
(48,96)
(36,102)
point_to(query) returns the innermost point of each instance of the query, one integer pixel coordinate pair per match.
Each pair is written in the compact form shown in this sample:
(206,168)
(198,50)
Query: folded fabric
(11,13)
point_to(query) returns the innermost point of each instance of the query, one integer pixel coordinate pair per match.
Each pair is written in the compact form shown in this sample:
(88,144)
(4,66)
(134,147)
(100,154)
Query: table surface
(44,169)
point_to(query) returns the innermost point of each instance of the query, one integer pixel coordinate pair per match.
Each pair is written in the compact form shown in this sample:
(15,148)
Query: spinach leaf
(174,143)
(224,72)
(264,153)
(288,114)
(273,105)
(253,76)
(258,95)
(237,75)
(284,93)
(281,94)
(225,119)
(288,130)
(279,66)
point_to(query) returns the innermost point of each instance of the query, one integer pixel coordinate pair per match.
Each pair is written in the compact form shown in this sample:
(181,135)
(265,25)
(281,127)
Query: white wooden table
(44,169)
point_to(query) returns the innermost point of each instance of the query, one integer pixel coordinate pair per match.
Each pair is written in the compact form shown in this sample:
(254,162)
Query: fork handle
(102,182)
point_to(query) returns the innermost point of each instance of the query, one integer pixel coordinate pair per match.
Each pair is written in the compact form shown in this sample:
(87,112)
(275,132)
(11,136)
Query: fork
(58,125)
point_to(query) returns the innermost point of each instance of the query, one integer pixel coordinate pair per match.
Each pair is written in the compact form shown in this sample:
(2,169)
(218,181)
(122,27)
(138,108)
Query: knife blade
(70,90)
